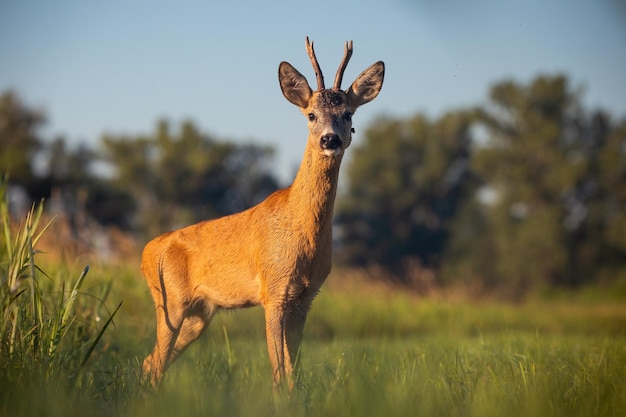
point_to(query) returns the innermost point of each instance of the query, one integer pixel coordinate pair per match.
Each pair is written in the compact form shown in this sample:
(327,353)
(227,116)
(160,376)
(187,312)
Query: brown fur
(276,254)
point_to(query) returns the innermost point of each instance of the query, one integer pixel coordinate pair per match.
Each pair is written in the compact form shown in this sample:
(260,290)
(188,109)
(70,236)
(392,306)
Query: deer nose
(330,141)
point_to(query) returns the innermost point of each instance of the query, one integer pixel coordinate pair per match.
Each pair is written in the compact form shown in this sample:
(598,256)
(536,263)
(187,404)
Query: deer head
(329,112)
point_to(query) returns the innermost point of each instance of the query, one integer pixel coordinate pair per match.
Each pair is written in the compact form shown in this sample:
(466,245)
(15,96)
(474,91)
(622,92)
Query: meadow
(73,340)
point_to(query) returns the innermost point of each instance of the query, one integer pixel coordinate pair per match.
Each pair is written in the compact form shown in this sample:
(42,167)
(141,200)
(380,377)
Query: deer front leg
(294,329)
(295,319)
(275,334)
(284,330)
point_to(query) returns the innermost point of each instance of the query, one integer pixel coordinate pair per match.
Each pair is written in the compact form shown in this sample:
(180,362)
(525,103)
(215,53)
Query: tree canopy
(405,183)
(19,138)
(183,177)
(526,190)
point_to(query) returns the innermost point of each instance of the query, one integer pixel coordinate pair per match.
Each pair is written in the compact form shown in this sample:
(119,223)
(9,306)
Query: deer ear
(294,86)
(366,86)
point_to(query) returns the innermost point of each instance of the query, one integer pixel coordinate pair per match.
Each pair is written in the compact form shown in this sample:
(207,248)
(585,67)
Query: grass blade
(99,336)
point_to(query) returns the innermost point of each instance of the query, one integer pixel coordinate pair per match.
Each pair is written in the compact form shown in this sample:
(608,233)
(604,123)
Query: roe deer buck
(276,254)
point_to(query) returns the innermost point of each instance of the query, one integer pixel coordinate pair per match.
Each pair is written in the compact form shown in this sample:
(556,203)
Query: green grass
(368,351)
(365,354)
(510,376)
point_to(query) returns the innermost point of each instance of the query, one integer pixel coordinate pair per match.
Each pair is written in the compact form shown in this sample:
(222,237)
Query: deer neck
(314,189)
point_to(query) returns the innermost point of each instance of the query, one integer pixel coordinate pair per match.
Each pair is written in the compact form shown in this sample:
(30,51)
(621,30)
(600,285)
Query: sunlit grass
(368,351)
(365,355)
(48,334)
(516,374)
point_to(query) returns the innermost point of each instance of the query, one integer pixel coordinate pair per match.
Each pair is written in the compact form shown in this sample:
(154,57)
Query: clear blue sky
(118,66)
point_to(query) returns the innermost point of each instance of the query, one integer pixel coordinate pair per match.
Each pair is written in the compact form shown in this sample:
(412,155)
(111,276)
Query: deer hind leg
(169,323)
(178,325)
(170,313)
(198,316)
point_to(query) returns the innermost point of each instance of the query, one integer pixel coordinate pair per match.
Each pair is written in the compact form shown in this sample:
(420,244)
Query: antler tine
(316,65)
(342,67)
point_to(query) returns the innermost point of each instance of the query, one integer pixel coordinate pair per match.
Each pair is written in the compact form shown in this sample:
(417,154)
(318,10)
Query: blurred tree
(53,169)
(67,166)
(19,139)
(528,190)
(537,218)
(67,175)
(533,159)
(405,183)
(132,160)
(184,177)
(598,207)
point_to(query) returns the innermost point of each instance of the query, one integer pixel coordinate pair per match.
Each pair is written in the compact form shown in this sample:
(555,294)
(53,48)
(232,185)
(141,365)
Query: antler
(342,67)
(316,65)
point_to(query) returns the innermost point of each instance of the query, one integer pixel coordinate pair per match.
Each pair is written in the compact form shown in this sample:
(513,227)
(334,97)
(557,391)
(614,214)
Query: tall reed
(43,331)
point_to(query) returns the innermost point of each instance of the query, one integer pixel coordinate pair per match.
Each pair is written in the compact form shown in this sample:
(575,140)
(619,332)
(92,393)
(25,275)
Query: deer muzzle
(330,141)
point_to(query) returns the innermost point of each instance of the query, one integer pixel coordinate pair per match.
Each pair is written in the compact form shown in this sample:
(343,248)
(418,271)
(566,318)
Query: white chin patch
(332,152)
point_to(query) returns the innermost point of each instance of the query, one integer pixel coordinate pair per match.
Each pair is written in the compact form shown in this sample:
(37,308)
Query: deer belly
(228,295)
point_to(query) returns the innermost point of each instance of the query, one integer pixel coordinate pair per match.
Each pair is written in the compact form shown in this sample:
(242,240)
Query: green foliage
(19,141)
(396,355)
(189,175)
(406,181)
(42,337)
(524,192)
(19,267)
(601,239)
(547,221)
(516,374)
(530,164)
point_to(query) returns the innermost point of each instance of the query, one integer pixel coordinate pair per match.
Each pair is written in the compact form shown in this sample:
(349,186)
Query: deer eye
(311,117)
(347,117)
